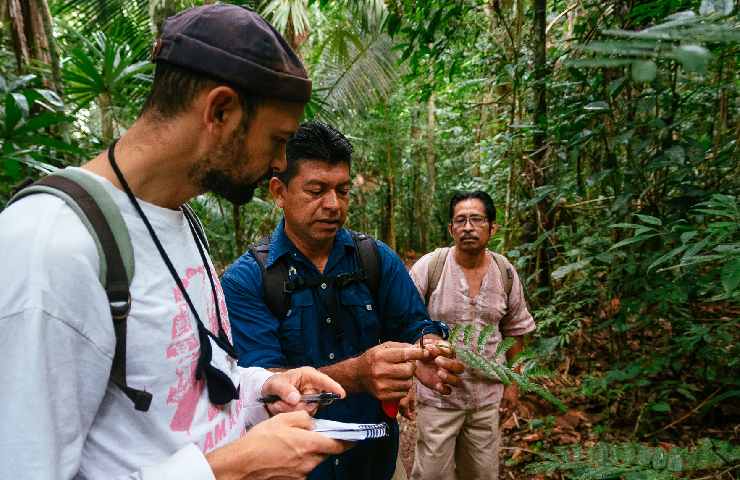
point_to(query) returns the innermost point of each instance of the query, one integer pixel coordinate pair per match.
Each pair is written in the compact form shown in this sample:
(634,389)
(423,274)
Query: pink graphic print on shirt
(185,347)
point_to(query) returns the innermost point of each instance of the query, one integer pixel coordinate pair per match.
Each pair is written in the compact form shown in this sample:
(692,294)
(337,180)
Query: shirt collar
(281,245)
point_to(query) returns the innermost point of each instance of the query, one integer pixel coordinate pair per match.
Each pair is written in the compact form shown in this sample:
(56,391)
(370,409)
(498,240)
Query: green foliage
(634,461)
(104,65)
(469,352)
(709,238)
(27,114)
(680,38)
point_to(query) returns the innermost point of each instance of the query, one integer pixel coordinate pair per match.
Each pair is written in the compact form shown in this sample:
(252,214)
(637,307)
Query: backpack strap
(508,277)
(274,278)
(434,271)
(369,260)
(188,211)
(102,218)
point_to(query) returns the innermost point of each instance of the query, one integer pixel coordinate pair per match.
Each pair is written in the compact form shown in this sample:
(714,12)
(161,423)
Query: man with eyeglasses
(315,293)
(458,435)
(148,387)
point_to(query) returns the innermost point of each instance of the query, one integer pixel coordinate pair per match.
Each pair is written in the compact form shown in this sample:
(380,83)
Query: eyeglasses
(475,220)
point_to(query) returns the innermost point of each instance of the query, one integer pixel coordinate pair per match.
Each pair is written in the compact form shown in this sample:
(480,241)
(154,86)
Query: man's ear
(449,229)
(494,229)
(222,109)
(278,190)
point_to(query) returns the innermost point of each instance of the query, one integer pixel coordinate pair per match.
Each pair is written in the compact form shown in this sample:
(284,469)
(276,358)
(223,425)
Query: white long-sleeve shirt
(60,417)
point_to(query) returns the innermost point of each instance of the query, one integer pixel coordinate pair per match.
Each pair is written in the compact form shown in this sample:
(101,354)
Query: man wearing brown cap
(168,401)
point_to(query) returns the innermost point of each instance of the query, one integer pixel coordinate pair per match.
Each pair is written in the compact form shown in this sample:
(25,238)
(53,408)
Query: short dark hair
(174,88)
(485,199)
(315,140)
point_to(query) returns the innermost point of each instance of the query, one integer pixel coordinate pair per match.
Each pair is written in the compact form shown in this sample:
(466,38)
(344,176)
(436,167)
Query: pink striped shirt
(451,303)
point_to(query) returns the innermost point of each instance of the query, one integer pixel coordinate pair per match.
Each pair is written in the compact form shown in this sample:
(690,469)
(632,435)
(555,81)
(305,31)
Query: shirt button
(290,310)
(331,356)
(368,307)
(323,286)
(328,320)
(336,462)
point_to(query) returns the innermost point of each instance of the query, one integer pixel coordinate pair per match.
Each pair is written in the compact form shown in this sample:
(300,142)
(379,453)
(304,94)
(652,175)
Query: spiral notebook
(350,431)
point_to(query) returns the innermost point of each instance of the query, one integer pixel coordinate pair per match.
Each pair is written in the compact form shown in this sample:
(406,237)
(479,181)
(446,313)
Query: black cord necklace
(220,388)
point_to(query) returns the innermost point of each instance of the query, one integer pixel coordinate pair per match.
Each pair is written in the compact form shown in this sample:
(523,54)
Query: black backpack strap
(89,200)
(192,217)
(369,259)
(277,298)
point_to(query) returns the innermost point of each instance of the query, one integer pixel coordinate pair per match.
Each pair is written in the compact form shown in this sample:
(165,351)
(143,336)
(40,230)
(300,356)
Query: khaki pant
(400,473)
(456,444)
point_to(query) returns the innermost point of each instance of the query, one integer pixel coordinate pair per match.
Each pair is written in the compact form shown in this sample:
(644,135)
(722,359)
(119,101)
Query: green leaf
(649,219)
(42,120)
(686,236)
(720,7)
(630,241)
(644,70)
(571,267)
(694,58)
(625,225)
(599,106)
(51,97)
(676,154)
(676,251)
(662,407)
(13,113)
(731,276)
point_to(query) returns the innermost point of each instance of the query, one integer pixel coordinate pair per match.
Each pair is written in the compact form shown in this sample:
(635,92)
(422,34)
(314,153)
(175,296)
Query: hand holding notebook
(350,431)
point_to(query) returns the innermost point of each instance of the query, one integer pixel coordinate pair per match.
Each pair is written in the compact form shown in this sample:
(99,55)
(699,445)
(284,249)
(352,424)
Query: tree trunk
(390,200)
(431,171)
(33,40)
(480,133)
(537,166)
(105,104)
(418,235)
(18,28)
(540,73)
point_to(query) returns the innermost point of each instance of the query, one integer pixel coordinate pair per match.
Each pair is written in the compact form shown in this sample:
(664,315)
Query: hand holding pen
(283,391)
(322,399)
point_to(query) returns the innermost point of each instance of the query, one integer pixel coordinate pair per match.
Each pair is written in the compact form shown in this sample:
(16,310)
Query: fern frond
(504,346)
(634,461)
(484,335)
(455,333)
(484,366)
(468,333)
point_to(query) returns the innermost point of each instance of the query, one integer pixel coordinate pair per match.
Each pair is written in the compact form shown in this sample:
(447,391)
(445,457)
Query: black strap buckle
(120,310)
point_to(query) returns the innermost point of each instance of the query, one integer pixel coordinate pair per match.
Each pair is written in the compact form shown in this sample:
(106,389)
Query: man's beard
(214,172)
(221,184)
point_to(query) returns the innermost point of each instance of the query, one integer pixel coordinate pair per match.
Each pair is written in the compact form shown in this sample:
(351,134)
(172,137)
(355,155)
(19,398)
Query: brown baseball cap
(236,45)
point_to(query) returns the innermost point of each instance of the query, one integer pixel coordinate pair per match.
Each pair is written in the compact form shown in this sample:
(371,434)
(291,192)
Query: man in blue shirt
(332,320)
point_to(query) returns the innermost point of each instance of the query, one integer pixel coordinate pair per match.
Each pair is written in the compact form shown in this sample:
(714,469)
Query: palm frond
(286,14)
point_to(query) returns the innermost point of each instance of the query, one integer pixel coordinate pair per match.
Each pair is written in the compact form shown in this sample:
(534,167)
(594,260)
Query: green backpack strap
(434,271)
(507,276)
(102,218)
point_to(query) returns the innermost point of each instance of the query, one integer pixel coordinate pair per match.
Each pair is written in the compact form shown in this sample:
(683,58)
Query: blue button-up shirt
(308,334)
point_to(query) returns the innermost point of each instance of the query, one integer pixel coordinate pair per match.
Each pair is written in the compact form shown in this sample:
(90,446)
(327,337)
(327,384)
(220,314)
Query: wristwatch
(437,327)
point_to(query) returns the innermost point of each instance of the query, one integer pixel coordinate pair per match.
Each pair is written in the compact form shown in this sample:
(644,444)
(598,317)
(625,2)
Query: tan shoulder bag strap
(507,277)
(434,272)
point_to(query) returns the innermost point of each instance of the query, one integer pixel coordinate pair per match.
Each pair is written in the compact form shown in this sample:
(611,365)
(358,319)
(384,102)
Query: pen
(323,398)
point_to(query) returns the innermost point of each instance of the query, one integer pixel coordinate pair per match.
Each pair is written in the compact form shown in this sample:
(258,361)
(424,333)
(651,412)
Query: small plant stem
(693,411)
